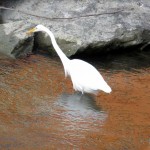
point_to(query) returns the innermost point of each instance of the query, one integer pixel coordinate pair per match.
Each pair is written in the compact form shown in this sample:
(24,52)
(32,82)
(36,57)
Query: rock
(13,39)
(85,26)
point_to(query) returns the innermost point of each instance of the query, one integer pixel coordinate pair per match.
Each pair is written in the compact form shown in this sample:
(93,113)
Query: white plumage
(84,76)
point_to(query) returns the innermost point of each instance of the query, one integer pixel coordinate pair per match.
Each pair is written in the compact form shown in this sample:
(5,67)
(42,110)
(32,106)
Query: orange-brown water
(40,111)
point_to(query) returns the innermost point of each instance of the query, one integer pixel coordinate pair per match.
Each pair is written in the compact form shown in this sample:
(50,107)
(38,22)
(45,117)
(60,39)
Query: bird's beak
(31,31)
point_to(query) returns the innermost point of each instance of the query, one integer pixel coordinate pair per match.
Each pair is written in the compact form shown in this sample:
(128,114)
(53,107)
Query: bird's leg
(79,94)
(82,93)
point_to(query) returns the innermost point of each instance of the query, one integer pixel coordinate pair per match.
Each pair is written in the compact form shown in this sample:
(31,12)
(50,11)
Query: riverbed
(40,110)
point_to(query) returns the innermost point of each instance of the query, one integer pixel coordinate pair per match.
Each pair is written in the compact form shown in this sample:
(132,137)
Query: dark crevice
(112,49)
(22,49)
(37,48)
(1,17)
(128,61)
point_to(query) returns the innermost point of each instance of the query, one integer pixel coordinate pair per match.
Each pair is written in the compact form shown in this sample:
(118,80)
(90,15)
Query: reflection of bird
(85,103)
(84,76)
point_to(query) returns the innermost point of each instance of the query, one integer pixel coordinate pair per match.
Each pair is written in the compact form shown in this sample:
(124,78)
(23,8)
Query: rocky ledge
(79,26)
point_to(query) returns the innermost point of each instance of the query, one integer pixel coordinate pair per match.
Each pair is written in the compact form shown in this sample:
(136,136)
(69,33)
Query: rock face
(13,40)
(81,26)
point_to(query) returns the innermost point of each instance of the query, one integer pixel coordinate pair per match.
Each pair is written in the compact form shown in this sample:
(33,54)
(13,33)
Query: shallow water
(40,110)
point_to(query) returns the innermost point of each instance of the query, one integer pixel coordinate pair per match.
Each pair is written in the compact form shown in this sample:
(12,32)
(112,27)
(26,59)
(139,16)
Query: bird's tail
(106,88)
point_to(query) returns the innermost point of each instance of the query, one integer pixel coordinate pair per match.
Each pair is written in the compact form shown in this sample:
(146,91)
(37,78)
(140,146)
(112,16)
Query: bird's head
(37,29)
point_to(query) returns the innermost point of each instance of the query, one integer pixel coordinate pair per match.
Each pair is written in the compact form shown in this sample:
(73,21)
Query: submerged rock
(83,26)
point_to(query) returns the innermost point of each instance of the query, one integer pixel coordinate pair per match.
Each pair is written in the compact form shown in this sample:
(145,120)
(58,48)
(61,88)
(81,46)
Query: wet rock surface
(39,109)
(84,26)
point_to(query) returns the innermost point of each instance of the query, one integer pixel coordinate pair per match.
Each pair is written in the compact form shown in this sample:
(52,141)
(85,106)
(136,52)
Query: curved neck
(62,56)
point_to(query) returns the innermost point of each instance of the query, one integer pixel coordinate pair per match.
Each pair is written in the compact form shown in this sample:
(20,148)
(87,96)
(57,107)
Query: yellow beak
(31,31)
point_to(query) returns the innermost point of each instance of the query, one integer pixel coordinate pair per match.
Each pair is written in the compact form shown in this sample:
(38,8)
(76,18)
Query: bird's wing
(84,73)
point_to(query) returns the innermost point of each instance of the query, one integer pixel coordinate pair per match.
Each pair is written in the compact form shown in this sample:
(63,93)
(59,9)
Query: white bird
(84,76)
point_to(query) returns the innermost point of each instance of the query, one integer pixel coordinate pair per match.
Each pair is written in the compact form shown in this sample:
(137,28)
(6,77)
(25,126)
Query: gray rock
(13,39)
(85,26)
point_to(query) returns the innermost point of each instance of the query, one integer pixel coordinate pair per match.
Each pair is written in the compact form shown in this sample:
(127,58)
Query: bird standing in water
(84,76)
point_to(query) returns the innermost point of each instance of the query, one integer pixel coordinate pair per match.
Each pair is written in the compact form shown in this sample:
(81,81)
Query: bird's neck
(62,56)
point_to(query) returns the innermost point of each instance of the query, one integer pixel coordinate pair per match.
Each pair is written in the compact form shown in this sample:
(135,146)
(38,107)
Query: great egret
(84,76)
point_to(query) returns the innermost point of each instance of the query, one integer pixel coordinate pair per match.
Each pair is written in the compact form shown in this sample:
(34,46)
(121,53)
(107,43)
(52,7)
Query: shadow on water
(78,105)
(79,113)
